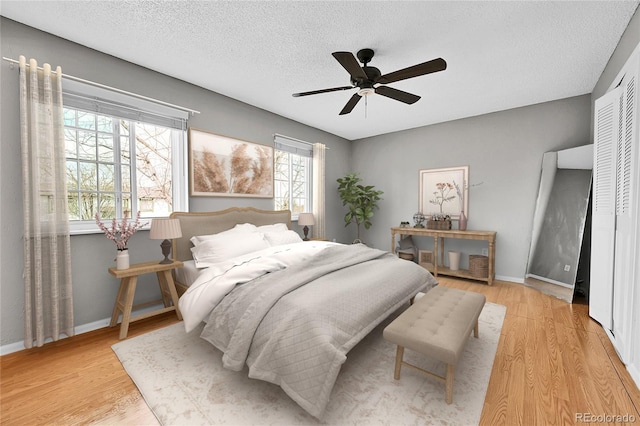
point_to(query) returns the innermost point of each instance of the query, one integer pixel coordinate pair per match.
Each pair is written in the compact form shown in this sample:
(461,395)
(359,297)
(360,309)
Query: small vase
(462,223)
(122,259)
(454,260)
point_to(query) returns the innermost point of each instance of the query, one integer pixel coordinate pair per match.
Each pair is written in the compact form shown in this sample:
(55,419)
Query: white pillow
(280,238)
(220,248)
(238,229)
(276,227)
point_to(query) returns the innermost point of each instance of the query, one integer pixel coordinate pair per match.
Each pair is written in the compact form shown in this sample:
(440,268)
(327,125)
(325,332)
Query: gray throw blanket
(294,327)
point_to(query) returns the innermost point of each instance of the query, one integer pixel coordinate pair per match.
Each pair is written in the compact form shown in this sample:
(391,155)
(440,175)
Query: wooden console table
(438,247)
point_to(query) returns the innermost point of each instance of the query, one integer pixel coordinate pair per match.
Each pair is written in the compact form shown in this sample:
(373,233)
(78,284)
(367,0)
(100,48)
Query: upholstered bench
(437,325)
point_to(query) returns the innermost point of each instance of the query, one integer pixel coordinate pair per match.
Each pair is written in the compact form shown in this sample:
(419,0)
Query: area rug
(182,380)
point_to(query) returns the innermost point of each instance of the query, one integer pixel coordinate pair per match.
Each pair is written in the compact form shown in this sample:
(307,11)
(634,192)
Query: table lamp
(165,229)
(306,220)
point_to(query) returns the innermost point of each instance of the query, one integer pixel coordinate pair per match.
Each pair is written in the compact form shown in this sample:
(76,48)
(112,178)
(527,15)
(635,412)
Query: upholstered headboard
(206,223)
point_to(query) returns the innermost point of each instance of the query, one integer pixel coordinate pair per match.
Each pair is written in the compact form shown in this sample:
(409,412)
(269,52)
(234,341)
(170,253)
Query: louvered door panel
(625,235)
(606,131)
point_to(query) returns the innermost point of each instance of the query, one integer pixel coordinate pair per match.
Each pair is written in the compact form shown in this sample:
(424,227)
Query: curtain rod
(114,89)
(294,139)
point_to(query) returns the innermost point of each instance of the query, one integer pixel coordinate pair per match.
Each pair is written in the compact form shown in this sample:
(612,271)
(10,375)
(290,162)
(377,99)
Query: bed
(292,310)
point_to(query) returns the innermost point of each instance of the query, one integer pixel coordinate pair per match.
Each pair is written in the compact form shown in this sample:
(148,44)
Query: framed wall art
(220,166)
(444,191)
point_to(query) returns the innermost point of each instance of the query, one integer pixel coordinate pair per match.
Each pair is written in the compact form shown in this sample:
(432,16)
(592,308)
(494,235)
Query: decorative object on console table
(462,222)
(441,222)
(407,249)
(454,260)
(478,265)
(419,219)
(426,259)
(306,220)
(165,229)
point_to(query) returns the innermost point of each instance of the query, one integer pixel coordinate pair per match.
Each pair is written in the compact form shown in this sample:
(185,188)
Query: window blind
(294,146)
(102,101)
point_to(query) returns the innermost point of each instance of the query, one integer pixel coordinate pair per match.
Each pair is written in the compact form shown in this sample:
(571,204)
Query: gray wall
(94,289)
(504,153)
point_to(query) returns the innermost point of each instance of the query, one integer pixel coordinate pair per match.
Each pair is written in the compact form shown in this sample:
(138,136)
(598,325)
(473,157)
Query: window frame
(95,100)
(301,149)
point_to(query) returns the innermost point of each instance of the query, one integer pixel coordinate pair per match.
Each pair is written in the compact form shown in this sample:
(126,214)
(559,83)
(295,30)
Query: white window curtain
(48,308)
(318,190)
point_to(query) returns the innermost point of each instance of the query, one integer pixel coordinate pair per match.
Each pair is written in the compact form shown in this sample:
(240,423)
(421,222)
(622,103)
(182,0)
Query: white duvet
(216,281)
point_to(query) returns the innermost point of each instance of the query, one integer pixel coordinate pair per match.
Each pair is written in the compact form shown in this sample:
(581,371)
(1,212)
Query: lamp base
(306,233)
(166,251)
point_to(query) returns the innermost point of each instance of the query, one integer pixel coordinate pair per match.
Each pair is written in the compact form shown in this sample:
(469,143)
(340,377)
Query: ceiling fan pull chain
(365,106)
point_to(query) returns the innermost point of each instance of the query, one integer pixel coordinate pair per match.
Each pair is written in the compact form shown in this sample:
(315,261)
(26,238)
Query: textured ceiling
(500,55)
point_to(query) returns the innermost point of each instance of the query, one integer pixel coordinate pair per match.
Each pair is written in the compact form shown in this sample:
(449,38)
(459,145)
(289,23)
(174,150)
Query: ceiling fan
(370,80)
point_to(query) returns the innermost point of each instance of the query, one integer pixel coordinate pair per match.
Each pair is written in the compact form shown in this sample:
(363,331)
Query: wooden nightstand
(128,280)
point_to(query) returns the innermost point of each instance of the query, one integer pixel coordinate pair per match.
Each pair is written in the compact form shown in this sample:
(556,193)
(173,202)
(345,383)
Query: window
(121,160)
(292,176)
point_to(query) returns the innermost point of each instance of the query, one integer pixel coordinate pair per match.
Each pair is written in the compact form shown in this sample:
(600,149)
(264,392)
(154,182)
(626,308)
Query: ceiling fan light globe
(366,91)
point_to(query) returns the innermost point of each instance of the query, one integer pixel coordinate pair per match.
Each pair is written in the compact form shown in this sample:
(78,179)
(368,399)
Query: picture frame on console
(222,166)
(444,191)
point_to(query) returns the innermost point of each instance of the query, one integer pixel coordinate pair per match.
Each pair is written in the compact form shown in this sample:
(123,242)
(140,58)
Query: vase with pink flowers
(120,232)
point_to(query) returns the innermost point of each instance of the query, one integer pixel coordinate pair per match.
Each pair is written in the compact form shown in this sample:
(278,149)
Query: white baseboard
(519,280)
(79,329)
(635,373)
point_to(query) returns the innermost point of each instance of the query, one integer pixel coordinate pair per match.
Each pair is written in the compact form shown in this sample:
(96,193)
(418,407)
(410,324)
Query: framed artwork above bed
(444,191)
(221,166)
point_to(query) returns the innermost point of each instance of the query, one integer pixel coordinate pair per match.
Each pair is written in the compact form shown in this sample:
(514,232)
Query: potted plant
(360,199)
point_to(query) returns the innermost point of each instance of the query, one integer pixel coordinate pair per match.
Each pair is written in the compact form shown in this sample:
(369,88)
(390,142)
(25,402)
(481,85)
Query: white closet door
(626,216)
(603,215)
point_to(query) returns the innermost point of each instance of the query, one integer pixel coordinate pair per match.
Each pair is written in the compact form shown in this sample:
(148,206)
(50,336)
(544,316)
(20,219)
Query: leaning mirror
(559,222)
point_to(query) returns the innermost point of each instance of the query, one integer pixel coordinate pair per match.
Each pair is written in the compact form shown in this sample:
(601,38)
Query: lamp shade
(165,229)
(306,219)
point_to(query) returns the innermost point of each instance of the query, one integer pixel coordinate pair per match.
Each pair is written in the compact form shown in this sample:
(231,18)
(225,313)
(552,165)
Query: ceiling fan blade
(351,104)
(315,92)
(428,67)
(398,95)
(350,63)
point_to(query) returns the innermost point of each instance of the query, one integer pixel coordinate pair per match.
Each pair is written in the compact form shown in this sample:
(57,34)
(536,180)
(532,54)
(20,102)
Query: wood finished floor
(552,362)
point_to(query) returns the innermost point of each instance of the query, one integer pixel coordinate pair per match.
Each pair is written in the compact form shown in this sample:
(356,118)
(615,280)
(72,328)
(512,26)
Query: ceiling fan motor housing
(373,74)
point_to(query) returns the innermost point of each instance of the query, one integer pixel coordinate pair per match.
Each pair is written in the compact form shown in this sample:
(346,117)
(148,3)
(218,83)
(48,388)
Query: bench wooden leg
(475,330)
(449,383)
(399,356)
